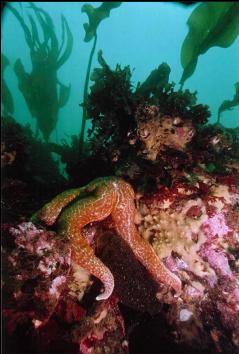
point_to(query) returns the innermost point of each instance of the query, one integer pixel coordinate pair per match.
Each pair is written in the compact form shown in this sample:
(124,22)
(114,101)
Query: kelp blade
(210,24)
(95,16)
(229,104)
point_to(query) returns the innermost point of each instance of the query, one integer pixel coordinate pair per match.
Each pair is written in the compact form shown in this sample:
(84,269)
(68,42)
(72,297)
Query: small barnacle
(132,141)
(215,140)
(185,315)
(143,133)
(177,120)
(131,138)
(191,133)
(115,155)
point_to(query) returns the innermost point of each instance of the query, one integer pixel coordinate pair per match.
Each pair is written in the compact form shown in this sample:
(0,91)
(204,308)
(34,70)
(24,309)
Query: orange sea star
(94,202)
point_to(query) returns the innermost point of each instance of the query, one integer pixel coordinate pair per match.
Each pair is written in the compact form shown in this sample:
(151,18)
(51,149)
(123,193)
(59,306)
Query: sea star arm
(83,255)
(92,208)
(50,212)
(108,196)
(123,216)
(147,256)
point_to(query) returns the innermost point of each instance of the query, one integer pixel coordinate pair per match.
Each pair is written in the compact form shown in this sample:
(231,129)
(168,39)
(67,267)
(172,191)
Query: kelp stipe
(6,96)
(95,15)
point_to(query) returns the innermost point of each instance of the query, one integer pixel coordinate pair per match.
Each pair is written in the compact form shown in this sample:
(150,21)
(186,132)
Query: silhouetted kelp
(156,81)
(210,24)
(40,87)
(227,105)
(95,16)
(6,96)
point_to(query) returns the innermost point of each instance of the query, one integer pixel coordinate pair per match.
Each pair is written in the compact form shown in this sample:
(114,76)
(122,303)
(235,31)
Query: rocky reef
(194,228)
(42,293)
(28,171)
(185,176)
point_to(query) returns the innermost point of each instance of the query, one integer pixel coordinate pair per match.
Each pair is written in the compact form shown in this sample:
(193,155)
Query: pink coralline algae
(38,267)
(72,330)
(56,285)
(99,328)
(194,230)
(40,282)
(34,241)
(236,295)
(216,226)
(217,259)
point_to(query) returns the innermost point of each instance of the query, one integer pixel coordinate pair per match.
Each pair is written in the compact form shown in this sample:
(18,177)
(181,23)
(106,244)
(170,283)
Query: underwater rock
(158,131)
(29,172)
(133,285)
(195,231)
(104,330)
(72,330)
(37,270)
(73,209)
(193,227)
(7,157)
(127,137)
(41,302)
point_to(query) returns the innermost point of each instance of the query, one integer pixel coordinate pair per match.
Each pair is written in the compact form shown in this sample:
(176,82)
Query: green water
(140,34)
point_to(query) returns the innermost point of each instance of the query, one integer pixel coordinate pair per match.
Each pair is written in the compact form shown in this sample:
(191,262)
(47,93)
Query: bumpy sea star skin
(99,199)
